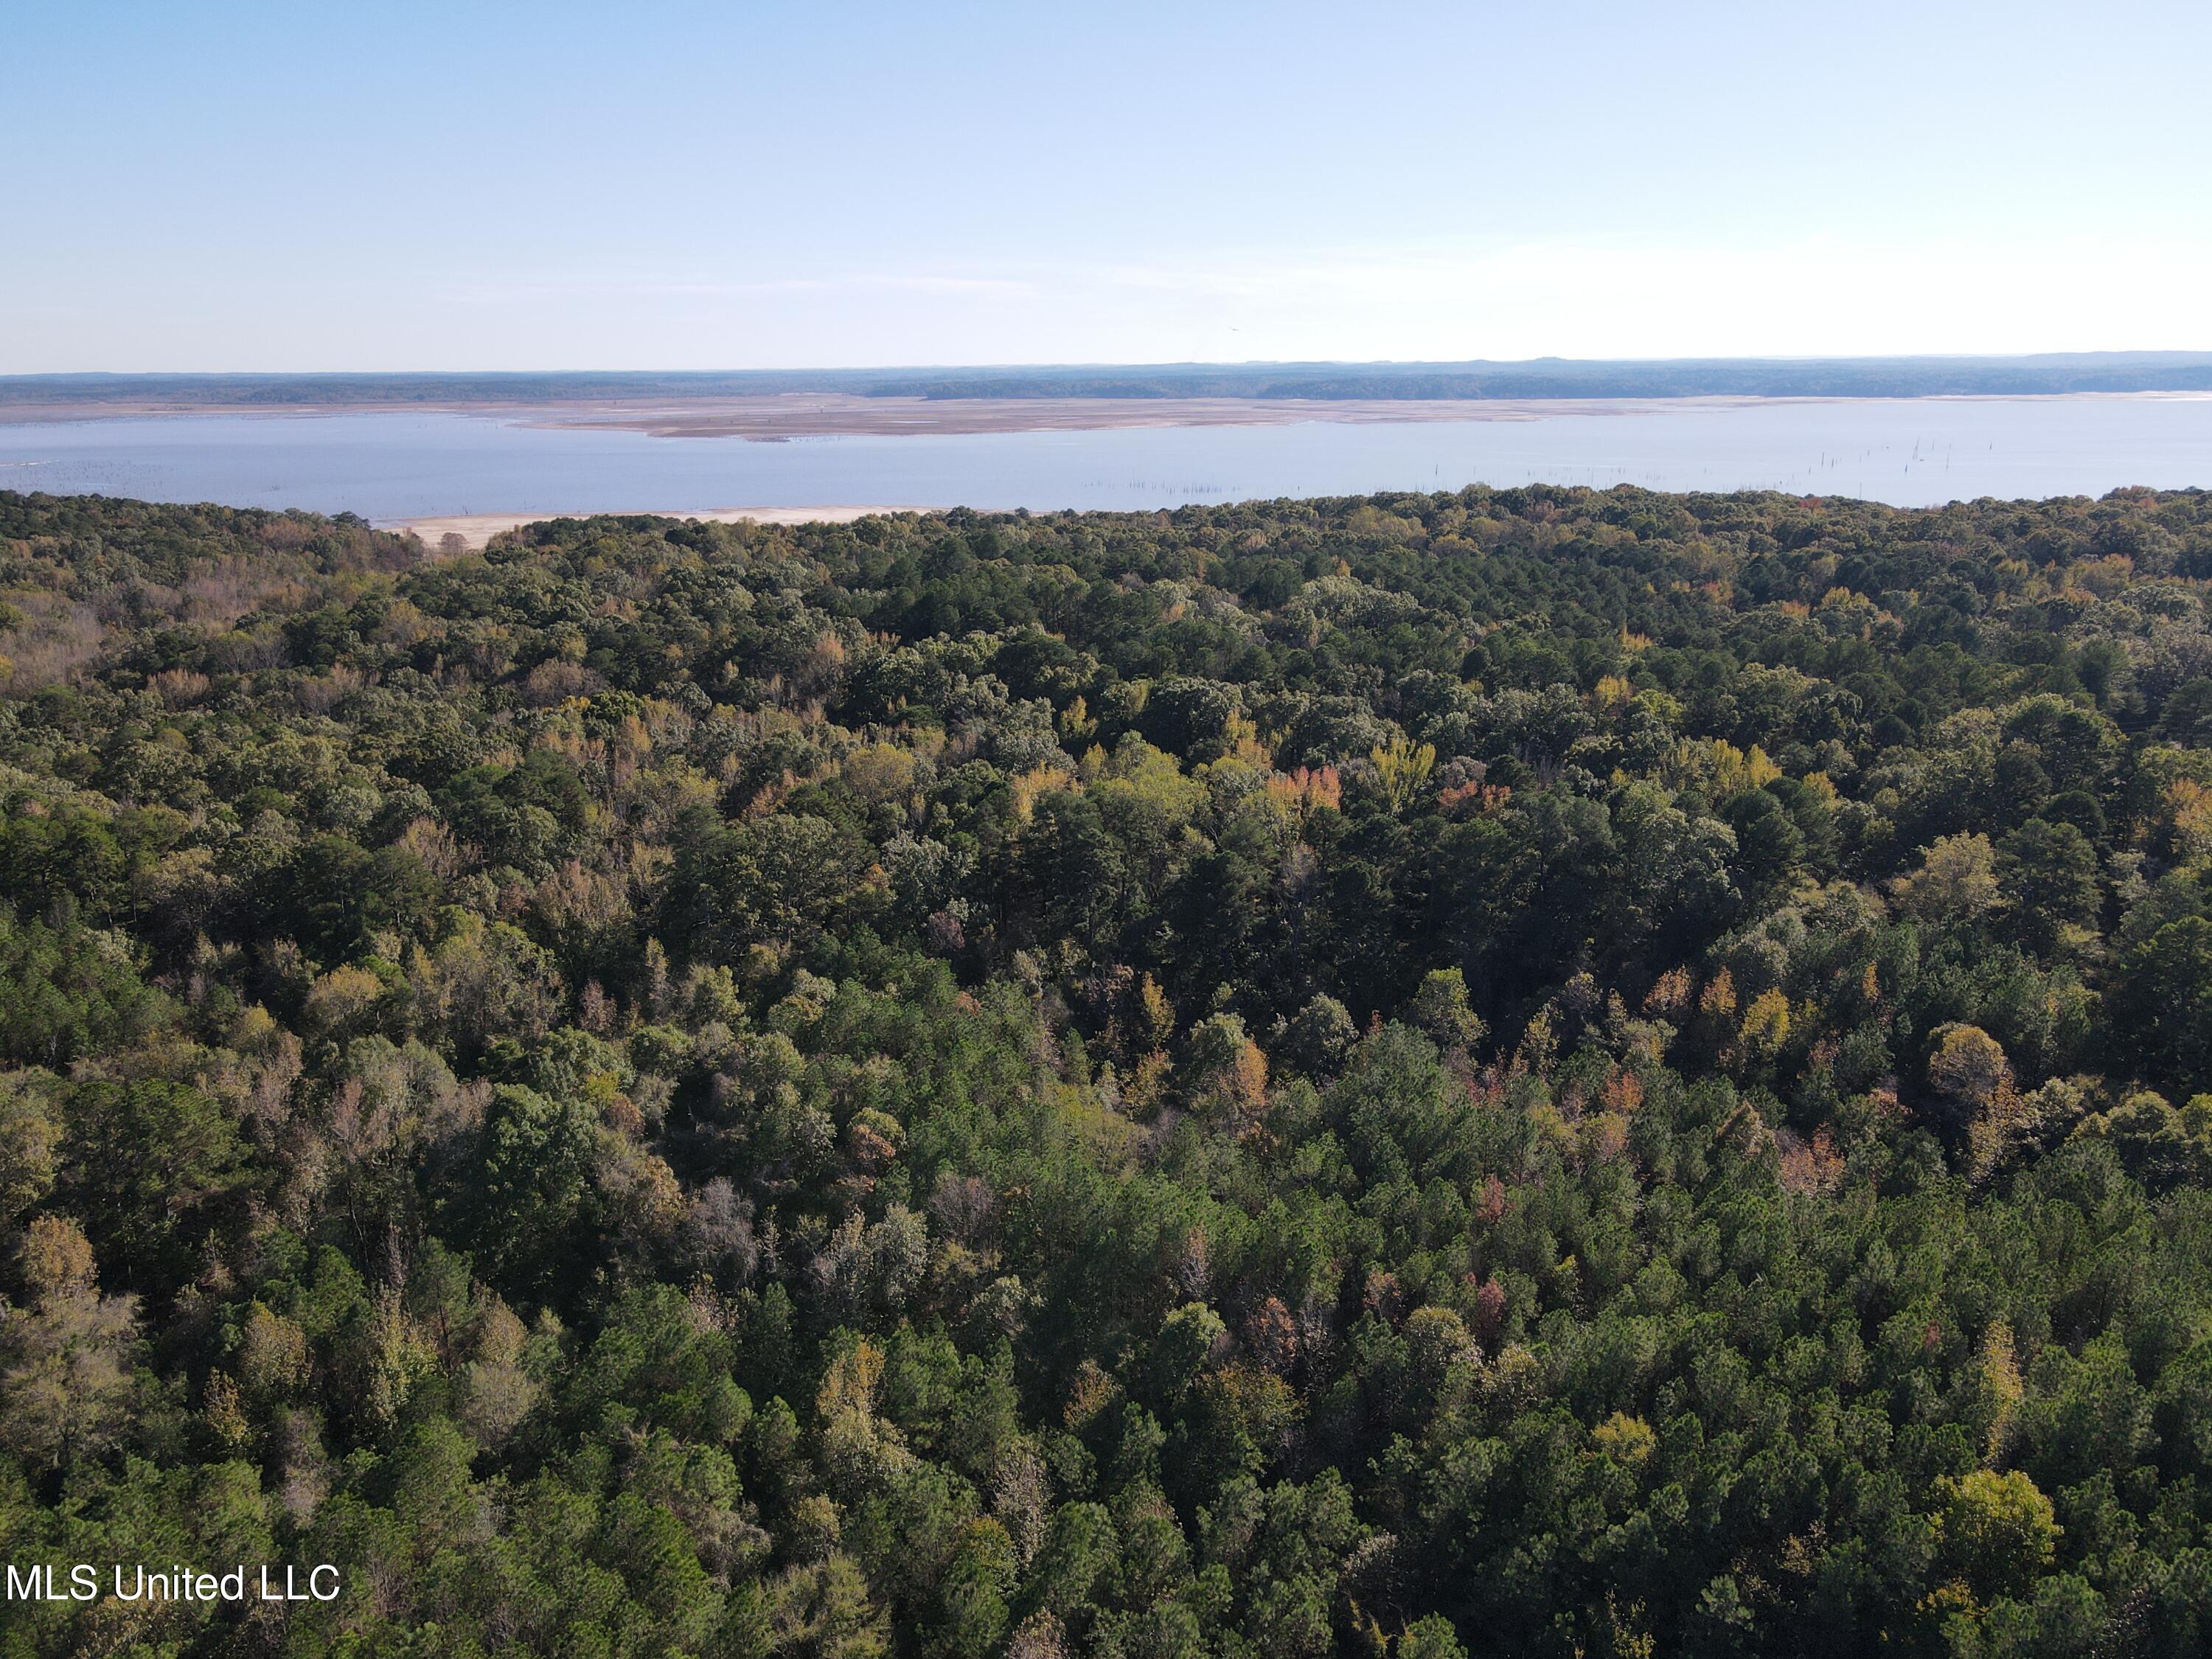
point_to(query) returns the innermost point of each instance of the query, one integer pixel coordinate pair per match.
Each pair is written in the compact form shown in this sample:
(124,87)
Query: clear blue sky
(467,186)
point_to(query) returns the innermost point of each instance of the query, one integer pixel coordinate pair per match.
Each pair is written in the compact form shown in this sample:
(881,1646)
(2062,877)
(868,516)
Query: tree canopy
(1543,1072)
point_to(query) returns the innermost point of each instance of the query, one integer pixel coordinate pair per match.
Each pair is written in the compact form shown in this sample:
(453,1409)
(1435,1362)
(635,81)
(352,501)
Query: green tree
(2048,873)
(1996,1530)
(154,1169)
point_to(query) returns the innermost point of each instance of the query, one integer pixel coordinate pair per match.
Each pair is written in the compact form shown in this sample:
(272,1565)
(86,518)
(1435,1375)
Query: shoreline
(476,529)
(779,417)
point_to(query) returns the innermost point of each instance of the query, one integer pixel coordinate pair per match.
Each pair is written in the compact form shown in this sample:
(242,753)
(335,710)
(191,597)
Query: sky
(193,186)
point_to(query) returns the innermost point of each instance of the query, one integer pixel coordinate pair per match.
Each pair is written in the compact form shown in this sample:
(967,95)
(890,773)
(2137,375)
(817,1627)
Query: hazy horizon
(507,186)
(1031,365)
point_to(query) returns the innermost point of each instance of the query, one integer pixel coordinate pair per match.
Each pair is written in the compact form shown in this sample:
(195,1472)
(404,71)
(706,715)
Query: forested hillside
(1535,1072)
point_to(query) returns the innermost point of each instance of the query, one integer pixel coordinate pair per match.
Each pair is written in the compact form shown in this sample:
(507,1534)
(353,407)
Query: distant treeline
(1546,377)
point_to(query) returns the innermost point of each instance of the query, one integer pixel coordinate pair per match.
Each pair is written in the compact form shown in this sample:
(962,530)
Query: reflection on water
(1908,453)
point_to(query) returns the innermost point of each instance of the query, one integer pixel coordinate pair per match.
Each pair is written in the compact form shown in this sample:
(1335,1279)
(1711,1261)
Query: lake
(388,467)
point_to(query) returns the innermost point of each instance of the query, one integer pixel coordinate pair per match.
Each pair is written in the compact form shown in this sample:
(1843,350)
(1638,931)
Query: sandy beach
(475,529)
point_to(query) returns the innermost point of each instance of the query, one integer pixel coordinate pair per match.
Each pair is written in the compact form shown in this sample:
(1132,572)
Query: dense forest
(1542,1072)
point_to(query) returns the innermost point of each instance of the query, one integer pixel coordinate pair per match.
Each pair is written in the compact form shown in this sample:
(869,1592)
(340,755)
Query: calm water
(1907,453)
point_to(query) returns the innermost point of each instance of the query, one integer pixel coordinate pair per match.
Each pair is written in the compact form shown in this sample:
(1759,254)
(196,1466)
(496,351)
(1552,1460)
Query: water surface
(397,466)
